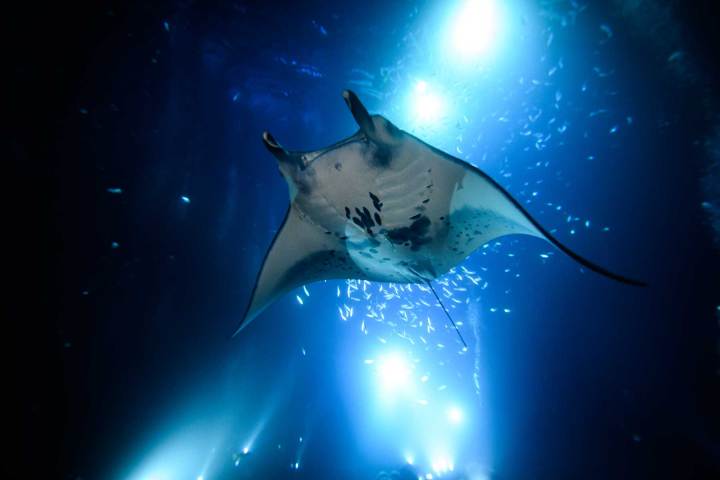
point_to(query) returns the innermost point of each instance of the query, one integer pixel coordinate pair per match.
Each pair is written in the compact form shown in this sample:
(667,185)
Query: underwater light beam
(394,371)
(455,415)
(474,28)
(426,105)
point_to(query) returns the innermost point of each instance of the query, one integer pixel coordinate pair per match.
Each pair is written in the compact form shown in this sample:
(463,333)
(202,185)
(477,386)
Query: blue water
(167,201)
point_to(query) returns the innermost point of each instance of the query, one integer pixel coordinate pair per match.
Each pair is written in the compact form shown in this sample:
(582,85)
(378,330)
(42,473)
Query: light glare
(394,372)
(454,415)
(427,105)
(474,28)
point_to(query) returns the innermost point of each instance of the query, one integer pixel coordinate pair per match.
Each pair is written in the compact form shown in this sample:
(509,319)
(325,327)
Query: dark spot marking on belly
(376,201)
(378,220)
(426,200)
(347,213)
(338,166)
(358,222)
(413,236)
(368,217)
(415,217)
(381,157)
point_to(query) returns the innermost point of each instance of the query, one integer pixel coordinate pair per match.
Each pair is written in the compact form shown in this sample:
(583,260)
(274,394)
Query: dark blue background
(587,378)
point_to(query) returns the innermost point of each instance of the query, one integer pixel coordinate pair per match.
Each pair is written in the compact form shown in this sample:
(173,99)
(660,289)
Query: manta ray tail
(590,265)
(447,313)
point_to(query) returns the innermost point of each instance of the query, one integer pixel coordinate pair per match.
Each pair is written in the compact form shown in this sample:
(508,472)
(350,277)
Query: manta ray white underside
(384,206)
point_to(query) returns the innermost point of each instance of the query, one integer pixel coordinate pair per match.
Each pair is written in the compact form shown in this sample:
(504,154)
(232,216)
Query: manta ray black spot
(358,222)
(369,218)
(347,213)
(366,219)
(426,200)
(376,201)
(338,166)
(415,217)
(382,157)
(378,220)
(413,236)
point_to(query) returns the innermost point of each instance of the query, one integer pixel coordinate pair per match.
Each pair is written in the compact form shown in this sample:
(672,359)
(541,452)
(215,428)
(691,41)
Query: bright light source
(394,372)
(474,27)
(442,465)
(409,459)
(427,105)
(246,450)
(455,415)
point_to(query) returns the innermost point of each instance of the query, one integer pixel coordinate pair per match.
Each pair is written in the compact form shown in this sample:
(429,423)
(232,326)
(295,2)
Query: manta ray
(382,205)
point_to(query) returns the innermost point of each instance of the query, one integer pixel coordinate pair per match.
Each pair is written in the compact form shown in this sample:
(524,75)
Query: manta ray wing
(500,214)
(300,253)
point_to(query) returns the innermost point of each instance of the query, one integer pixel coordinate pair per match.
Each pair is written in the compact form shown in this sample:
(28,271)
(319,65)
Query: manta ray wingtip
(237,331)
(244,323)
